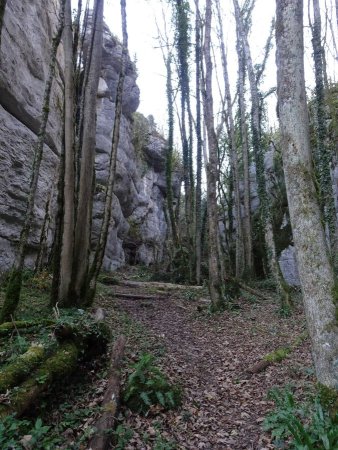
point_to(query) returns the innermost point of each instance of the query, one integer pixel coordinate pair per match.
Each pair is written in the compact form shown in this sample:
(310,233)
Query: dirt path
(223,407)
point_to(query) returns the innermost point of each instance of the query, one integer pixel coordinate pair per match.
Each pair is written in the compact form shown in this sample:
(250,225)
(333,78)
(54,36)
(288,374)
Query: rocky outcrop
(138,227)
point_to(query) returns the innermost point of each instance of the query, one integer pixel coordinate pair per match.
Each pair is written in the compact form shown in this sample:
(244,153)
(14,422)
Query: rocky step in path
(209,356)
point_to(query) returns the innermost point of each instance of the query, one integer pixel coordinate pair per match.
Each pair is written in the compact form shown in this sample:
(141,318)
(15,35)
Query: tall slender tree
(199,145)
(233,149)
(102,241)
(247,227)
(265,211)
(86,177)
(15,282)
(322,153)
(216,284)
(67,246)
(316,273)
(182,40)
(170,148)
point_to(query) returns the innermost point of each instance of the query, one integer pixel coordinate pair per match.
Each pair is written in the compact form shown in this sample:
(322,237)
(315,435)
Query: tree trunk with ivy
(169,153)
(182,41)
(322,152)
(15,281)
(265,211)
(247,227)
(86,178)
(199,142)
(317,279)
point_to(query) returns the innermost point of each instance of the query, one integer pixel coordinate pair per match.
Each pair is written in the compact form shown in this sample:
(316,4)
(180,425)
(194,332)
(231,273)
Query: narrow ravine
(223,405)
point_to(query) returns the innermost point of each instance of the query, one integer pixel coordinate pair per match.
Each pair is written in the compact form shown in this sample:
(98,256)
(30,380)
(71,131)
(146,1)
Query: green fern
(147,386)
(309,425)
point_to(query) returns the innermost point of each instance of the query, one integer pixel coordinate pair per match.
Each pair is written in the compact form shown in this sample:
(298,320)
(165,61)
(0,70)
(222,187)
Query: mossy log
(62,364)
(20,369)
(277,355)
(91,337)
(9,327)
(110,402)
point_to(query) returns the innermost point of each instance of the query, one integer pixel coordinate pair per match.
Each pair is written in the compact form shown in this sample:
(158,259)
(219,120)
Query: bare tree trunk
(67,245)
(316,273)
(102,241)
(15,281)
(84,208)
(215,276)
(234,151)
(266,219)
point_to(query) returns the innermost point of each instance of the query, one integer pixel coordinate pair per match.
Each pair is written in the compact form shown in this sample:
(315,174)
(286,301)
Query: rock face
(25,48)
(138,227)
(288,265)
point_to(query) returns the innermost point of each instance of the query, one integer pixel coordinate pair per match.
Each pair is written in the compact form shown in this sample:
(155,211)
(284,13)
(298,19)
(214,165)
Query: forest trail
(223,406)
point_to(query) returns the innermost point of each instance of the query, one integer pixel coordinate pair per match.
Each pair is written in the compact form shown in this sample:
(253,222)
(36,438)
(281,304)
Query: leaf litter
(208,356)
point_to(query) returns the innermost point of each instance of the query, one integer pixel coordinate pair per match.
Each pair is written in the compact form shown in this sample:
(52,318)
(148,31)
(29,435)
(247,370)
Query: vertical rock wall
(138,228)
(25,53)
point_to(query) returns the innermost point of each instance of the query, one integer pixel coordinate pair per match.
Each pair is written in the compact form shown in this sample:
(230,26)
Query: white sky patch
(144,47)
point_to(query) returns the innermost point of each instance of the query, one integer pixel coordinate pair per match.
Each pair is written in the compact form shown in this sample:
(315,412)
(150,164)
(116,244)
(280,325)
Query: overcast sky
(143,45)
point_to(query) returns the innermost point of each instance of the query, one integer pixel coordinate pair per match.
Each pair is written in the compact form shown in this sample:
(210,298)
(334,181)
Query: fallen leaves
(223,406)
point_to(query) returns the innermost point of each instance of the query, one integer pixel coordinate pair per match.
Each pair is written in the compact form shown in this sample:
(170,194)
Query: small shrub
(163,444)
(41,281)
(122,436)
(305,426)
(147,386)
(13,431)
(190,295)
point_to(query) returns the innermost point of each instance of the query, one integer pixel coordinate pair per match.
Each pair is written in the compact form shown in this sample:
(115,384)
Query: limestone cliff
(138,228)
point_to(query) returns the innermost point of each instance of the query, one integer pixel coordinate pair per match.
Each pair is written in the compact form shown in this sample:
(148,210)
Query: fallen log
(20,369)
(138,296)
(251,290)
(277,355)
(110,403)
(259,367)
(8,327)
(62,364)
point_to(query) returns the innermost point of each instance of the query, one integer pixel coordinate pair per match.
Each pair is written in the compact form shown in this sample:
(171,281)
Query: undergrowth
(147,386)
(304,425)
